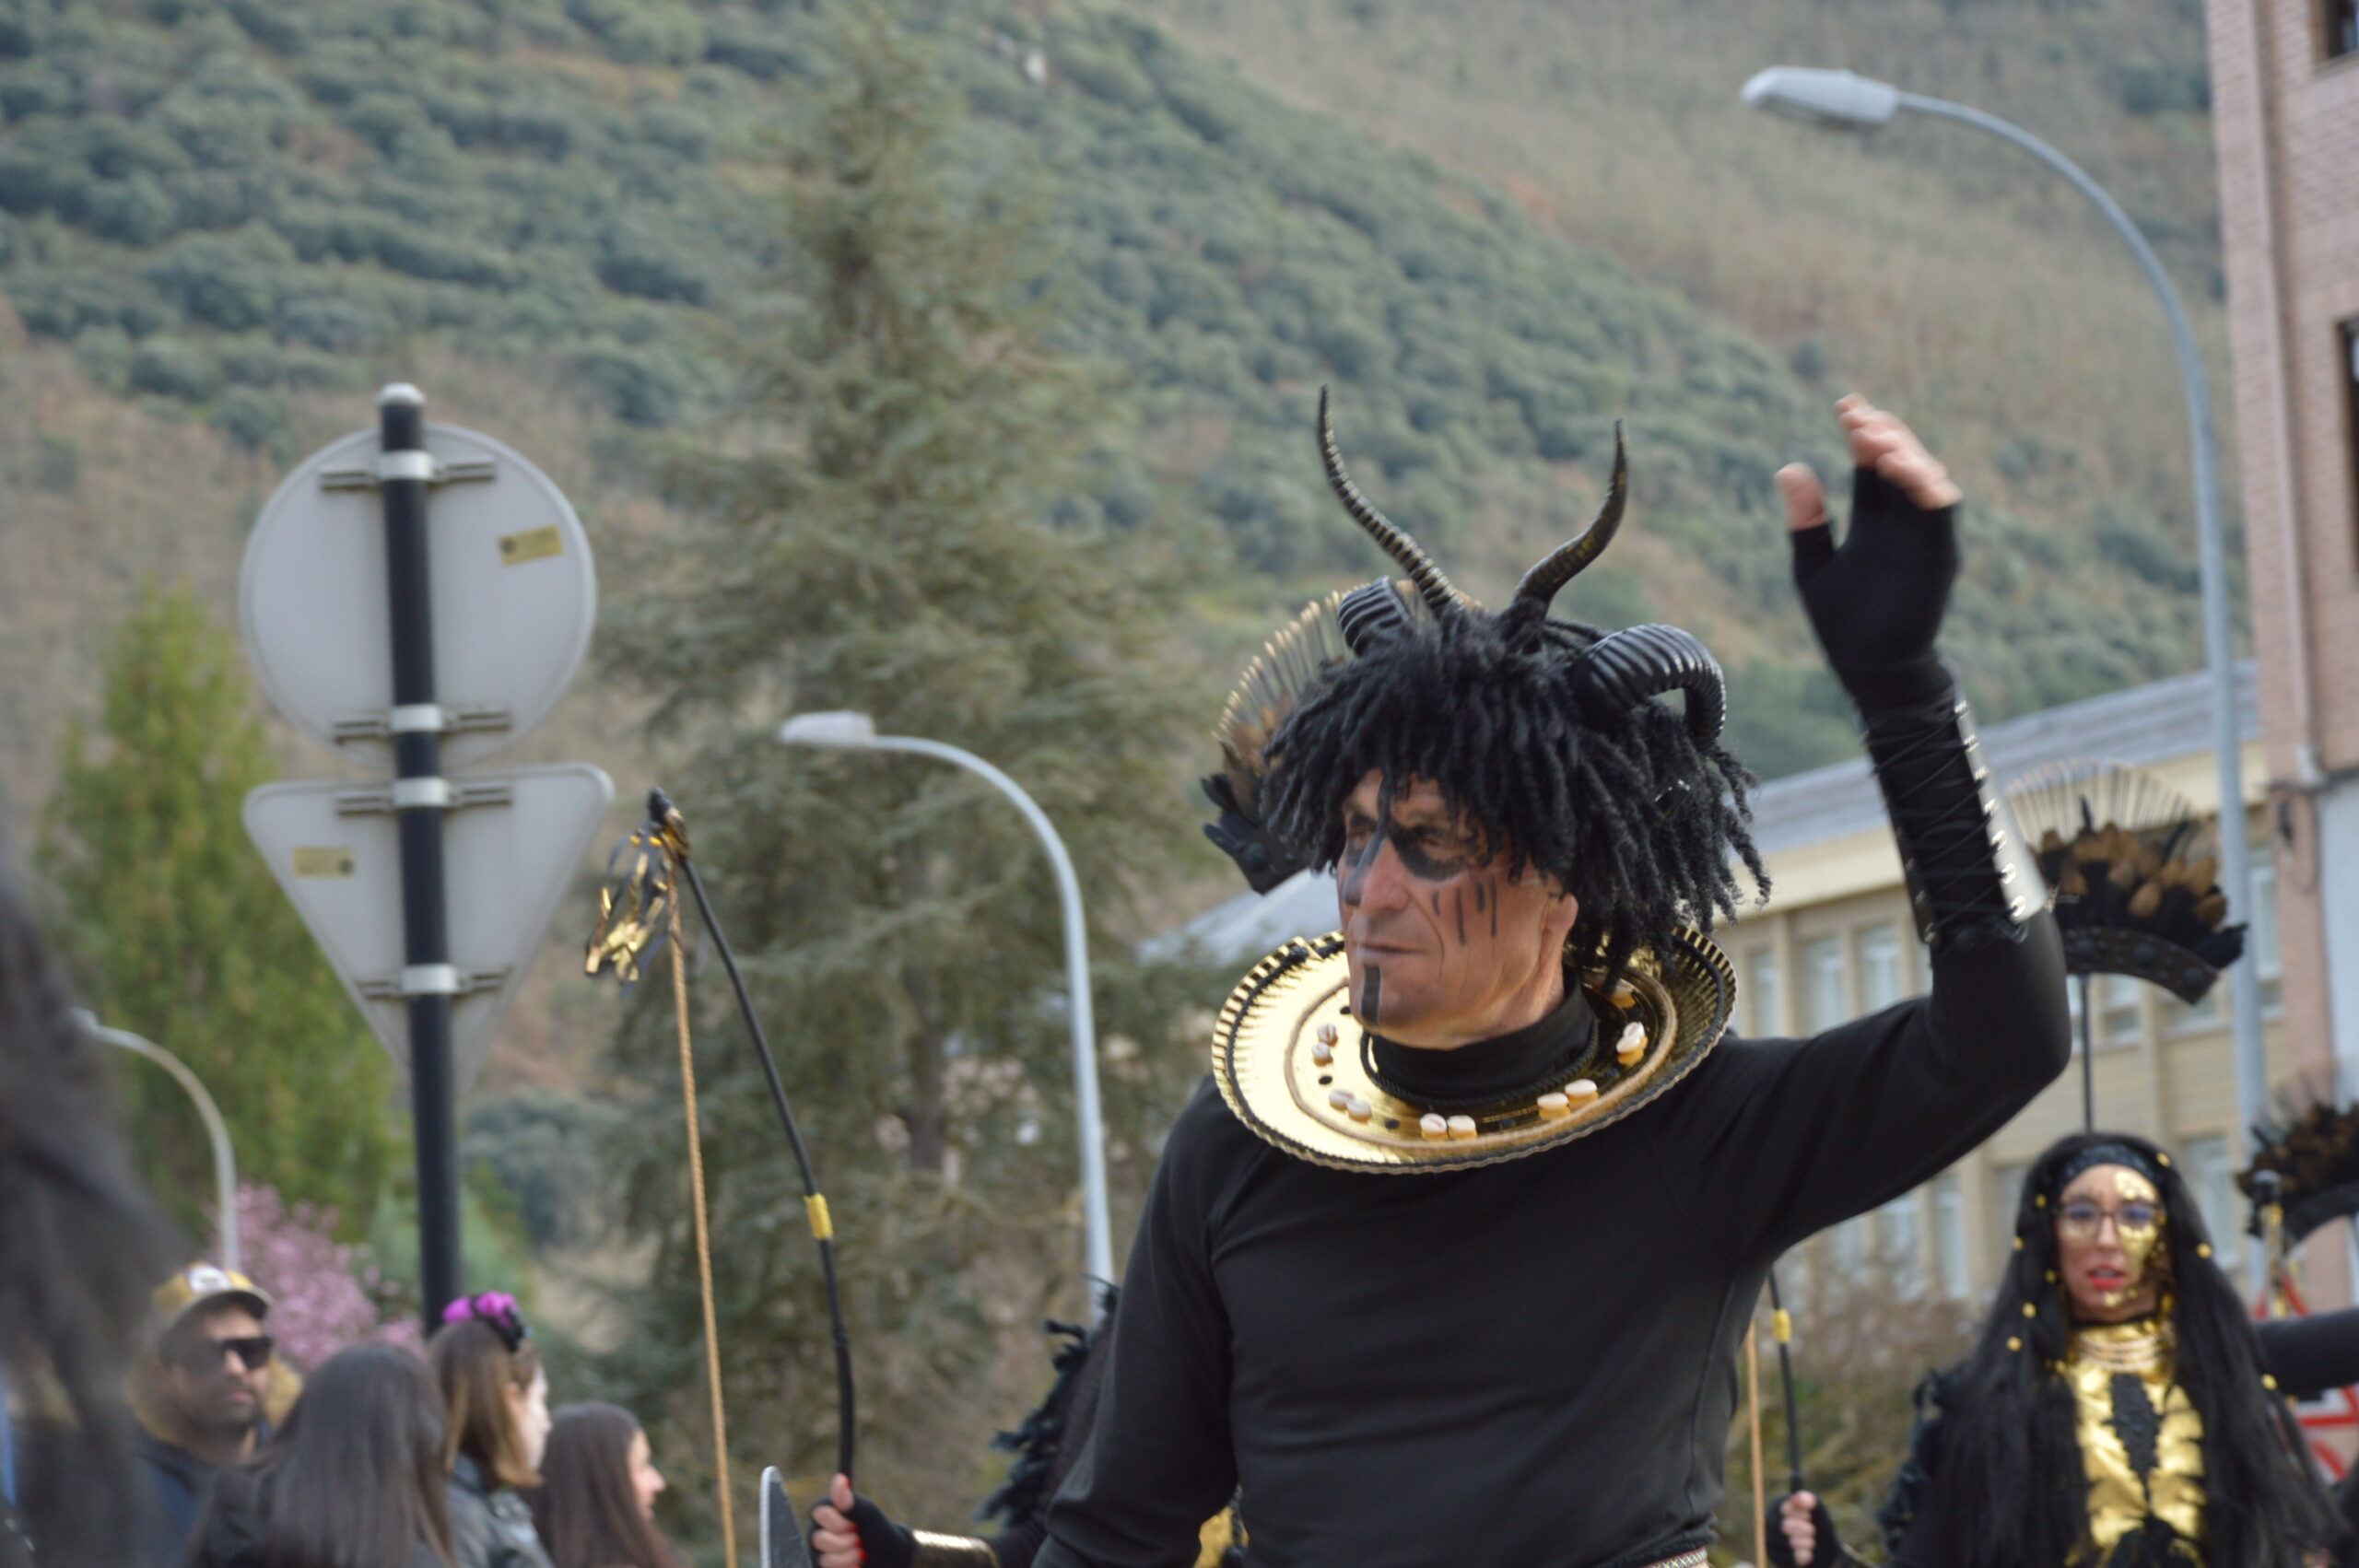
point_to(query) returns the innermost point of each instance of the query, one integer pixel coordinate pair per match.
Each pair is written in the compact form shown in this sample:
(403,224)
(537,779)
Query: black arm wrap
(1971,879)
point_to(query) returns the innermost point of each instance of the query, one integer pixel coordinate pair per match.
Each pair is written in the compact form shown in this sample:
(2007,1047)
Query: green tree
(178,931)
(873,532)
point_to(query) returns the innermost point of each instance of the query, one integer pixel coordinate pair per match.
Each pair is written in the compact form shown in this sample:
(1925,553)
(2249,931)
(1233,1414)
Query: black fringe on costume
(1932,1398)
(1634,817)
(1037,1441)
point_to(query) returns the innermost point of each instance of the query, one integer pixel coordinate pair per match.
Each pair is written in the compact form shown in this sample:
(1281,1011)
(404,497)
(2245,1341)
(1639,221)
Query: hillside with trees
(234,210)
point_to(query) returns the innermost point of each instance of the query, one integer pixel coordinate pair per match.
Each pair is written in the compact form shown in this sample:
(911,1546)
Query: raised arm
(1828,1127)
(1158,1463)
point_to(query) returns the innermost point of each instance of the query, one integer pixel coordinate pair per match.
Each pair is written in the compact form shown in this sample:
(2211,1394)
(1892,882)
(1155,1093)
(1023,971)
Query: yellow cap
(203,1284)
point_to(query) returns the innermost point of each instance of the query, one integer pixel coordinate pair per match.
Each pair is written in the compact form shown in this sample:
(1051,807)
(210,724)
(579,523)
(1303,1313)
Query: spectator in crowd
(81,1243)
(354,1480)
(596,1503)
(201,1394)
(496,1401)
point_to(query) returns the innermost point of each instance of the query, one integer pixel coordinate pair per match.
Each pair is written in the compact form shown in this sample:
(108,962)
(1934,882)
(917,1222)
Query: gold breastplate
(2142,1440)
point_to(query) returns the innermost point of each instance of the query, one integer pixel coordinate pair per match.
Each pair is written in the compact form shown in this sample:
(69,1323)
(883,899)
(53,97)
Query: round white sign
(515,595)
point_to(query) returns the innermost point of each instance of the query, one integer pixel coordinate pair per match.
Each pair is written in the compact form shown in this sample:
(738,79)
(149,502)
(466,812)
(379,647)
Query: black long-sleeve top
(2307,1355)
(1528,1364)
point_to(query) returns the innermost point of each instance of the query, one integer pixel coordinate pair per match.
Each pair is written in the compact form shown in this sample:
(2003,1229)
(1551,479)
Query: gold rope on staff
(1752,1417)
(704,1238)
(625,927)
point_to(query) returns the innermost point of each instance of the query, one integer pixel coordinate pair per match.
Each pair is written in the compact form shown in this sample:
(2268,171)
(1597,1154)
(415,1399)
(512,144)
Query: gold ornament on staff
(646,909)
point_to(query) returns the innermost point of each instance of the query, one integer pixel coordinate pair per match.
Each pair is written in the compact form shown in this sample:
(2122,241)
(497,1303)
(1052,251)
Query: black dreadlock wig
(1636,816)
(1539,734)
(2011,1441)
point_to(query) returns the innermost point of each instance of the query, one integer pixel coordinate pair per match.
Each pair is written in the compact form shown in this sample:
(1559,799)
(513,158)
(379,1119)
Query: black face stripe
(1459,904)
(1372,996)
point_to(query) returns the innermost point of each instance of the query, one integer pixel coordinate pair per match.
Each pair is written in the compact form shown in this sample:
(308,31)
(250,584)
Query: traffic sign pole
(420,795)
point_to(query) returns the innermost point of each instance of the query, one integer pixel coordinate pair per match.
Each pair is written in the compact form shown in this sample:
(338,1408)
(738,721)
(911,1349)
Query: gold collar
(1286,1055)
(2141,1345)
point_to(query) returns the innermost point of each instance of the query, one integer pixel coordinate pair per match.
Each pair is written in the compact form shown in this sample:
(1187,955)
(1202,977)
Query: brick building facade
(2285,118)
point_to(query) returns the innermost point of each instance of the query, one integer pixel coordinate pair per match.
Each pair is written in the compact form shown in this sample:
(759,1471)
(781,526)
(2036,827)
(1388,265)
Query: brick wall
(2285,118)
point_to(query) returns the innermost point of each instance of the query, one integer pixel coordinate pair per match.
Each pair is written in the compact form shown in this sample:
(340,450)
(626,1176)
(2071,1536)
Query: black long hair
(584,1510)
(2012,1441)
(81,1245)
(354,1479)
(1635,817)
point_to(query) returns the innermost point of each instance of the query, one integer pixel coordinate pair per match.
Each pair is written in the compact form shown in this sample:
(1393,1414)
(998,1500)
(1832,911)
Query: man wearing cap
(200,1397)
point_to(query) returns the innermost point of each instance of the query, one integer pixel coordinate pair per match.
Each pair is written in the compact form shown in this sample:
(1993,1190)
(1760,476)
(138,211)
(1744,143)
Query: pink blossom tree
(324,1295)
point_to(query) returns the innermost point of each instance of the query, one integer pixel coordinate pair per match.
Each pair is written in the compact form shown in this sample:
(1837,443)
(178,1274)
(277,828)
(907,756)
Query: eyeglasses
(2080,1220)
(252,1351)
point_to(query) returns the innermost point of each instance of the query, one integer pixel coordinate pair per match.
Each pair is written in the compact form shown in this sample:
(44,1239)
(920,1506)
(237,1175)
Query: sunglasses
(252,1351)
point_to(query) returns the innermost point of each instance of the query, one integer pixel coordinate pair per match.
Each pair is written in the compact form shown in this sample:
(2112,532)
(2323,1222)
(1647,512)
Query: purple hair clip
(497,1310)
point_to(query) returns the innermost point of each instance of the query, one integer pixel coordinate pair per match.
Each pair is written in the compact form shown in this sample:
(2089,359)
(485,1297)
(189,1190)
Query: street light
(845,731)
(224,1163)
(1841,100)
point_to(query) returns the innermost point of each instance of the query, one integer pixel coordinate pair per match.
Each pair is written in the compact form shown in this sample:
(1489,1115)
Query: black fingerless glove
(883,1543)
(1825,1553)
(1263,858)
(1876,602)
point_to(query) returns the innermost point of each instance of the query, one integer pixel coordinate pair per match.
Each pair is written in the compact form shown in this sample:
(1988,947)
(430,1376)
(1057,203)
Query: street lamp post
(224,1163)
(1842,100)
(857,731)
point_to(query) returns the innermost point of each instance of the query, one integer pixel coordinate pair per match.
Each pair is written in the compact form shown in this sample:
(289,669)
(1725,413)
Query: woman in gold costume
(2119,1410)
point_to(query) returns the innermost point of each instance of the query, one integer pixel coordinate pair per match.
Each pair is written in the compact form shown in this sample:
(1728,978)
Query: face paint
(1402,873)
(2137,1241)
(2122,1202)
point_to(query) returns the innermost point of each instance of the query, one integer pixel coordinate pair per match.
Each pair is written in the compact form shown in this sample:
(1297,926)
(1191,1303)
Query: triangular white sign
(511,849)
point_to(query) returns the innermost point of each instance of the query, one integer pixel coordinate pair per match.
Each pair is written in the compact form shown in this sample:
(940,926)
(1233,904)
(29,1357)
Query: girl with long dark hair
(496,1402)
(595,1507)
(352,1480)
(2118,1411)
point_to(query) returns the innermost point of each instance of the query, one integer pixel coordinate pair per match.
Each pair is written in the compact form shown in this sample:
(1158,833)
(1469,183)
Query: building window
(2351,329)
(1900,1246)
(2006,1194)
(2120,1019)
(1949,1236)
(1765,988)
(1823,984)
(2260,928)
(2342,28)
(2223,1207)
(1881,978)
(1847,1247)
(2178,1018)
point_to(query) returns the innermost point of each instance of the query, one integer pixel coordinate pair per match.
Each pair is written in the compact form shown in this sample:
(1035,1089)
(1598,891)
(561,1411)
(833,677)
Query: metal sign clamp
(406,794)
(407,465)
(434,980)
(443,719)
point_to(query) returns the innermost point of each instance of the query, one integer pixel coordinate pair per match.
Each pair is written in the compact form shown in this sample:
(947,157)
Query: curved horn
(1621,671)
(1371,615)
(1435,588)
(1567,561)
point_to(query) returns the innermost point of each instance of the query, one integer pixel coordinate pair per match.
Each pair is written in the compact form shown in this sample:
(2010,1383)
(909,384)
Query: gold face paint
(2136,1215)
(2138,1241)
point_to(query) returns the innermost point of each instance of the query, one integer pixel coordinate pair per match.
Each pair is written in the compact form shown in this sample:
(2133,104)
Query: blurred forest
(601,230)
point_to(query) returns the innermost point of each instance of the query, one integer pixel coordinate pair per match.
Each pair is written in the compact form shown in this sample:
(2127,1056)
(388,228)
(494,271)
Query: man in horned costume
(1448,1261)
